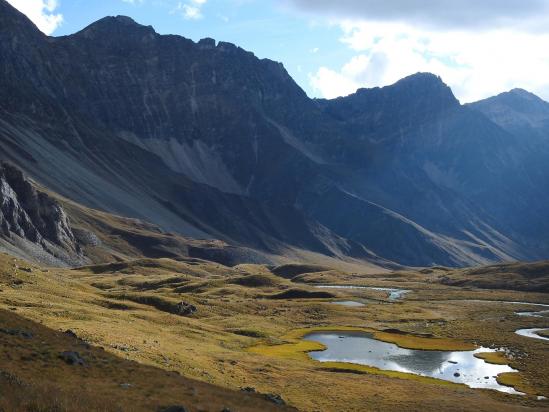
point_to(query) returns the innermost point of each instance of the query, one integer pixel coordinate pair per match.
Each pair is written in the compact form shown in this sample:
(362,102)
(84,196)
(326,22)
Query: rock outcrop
(33,222)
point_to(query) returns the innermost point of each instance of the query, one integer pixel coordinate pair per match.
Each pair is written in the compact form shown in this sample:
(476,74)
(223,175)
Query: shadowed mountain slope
(205,140)
(447,167)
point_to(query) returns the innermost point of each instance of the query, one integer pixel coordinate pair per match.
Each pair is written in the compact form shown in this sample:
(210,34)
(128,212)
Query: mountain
(81,124)
(447,167)
(519,112)
(207,141)
(525,117)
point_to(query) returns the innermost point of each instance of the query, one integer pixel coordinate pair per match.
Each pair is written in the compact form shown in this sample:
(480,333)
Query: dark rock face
(275,398)
(72,358)
(30,217)
(185,309)
(206,140)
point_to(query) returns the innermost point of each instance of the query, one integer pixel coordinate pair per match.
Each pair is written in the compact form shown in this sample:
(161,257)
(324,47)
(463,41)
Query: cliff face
(208,141)
(34,222)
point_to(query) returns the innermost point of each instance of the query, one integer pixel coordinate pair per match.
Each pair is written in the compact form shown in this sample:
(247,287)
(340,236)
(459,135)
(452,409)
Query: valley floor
(157,351)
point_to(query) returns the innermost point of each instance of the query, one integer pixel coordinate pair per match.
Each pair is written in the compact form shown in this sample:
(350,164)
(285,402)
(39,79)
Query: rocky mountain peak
(522,92)
(516,109)
(116,26)
(522,100)
(516,99)
(414,100)
(425,89)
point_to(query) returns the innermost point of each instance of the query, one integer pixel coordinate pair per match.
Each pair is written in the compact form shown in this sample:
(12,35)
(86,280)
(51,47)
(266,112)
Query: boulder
(72,358)
(185,309)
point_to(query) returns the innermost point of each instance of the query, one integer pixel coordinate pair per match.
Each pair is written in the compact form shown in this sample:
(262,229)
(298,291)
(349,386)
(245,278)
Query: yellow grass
(238,339)
(516,380)
(354,368)
(495,358)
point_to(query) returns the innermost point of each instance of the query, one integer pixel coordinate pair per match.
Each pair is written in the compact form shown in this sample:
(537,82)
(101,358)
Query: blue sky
(333,47)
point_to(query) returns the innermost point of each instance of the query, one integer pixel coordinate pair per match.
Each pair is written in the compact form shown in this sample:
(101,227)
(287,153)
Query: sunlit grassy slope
(129,308)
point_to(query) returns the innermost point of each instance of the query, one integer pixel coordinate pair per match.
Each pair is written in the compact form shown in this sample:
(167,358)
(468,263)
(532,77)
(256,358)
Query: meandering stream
(530,332)
(540,314)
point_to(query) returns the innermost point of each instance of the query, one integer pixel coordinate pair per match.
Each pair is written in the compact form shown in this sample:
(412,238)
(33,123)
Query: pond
(349,303)
(455,366)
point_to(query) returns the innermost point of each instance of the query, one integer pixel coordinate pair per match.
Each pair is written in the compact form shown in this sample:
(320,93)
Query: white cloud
(447,14)
(474,65)
(41,12)
(191,10)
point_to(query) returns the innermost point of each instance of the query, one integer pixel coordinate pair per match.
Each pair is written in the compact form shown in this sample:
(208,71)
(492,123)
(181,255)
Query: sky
(480,48)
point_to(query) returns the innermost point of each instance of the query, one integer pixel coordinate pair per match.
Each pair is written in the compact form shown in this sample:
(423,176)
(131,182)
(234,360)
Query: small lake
(362,349)
(532,333)
(349,303)
(392,293)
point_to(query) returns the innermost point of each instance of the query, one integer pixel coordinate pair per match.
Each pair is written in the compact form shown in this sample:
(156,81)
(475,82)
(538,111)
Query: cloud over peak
(478,47)
(190,10)
(40,12)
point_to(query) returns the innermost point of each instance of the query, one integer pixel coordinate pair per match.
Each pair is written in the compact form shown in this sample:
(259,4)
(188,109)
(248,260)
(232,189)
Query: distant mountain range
(208,141)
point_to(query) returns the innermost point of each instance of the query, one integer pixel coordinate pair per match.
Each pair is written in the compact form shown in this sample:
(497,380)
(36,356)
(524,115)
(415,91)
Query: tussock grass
(495,358)
(290,271)
(161,303)
(252,333)
(516,380)
(301,294)
(154,284)
(544,333)
(212,347)
(255,281)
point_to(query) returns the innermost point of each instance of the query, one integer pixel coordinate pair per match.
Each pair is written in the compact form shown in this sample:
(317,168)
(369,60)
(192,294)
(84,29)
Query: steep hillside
(207,141)
(54,380)
(447,167)
(153,333)
(530,277)
(62,122)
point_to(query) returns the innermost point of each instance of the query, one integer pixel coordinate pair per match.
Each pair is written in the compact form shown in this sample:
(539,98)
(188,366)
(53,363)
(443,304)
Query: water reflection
(349,303)
(460,367)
